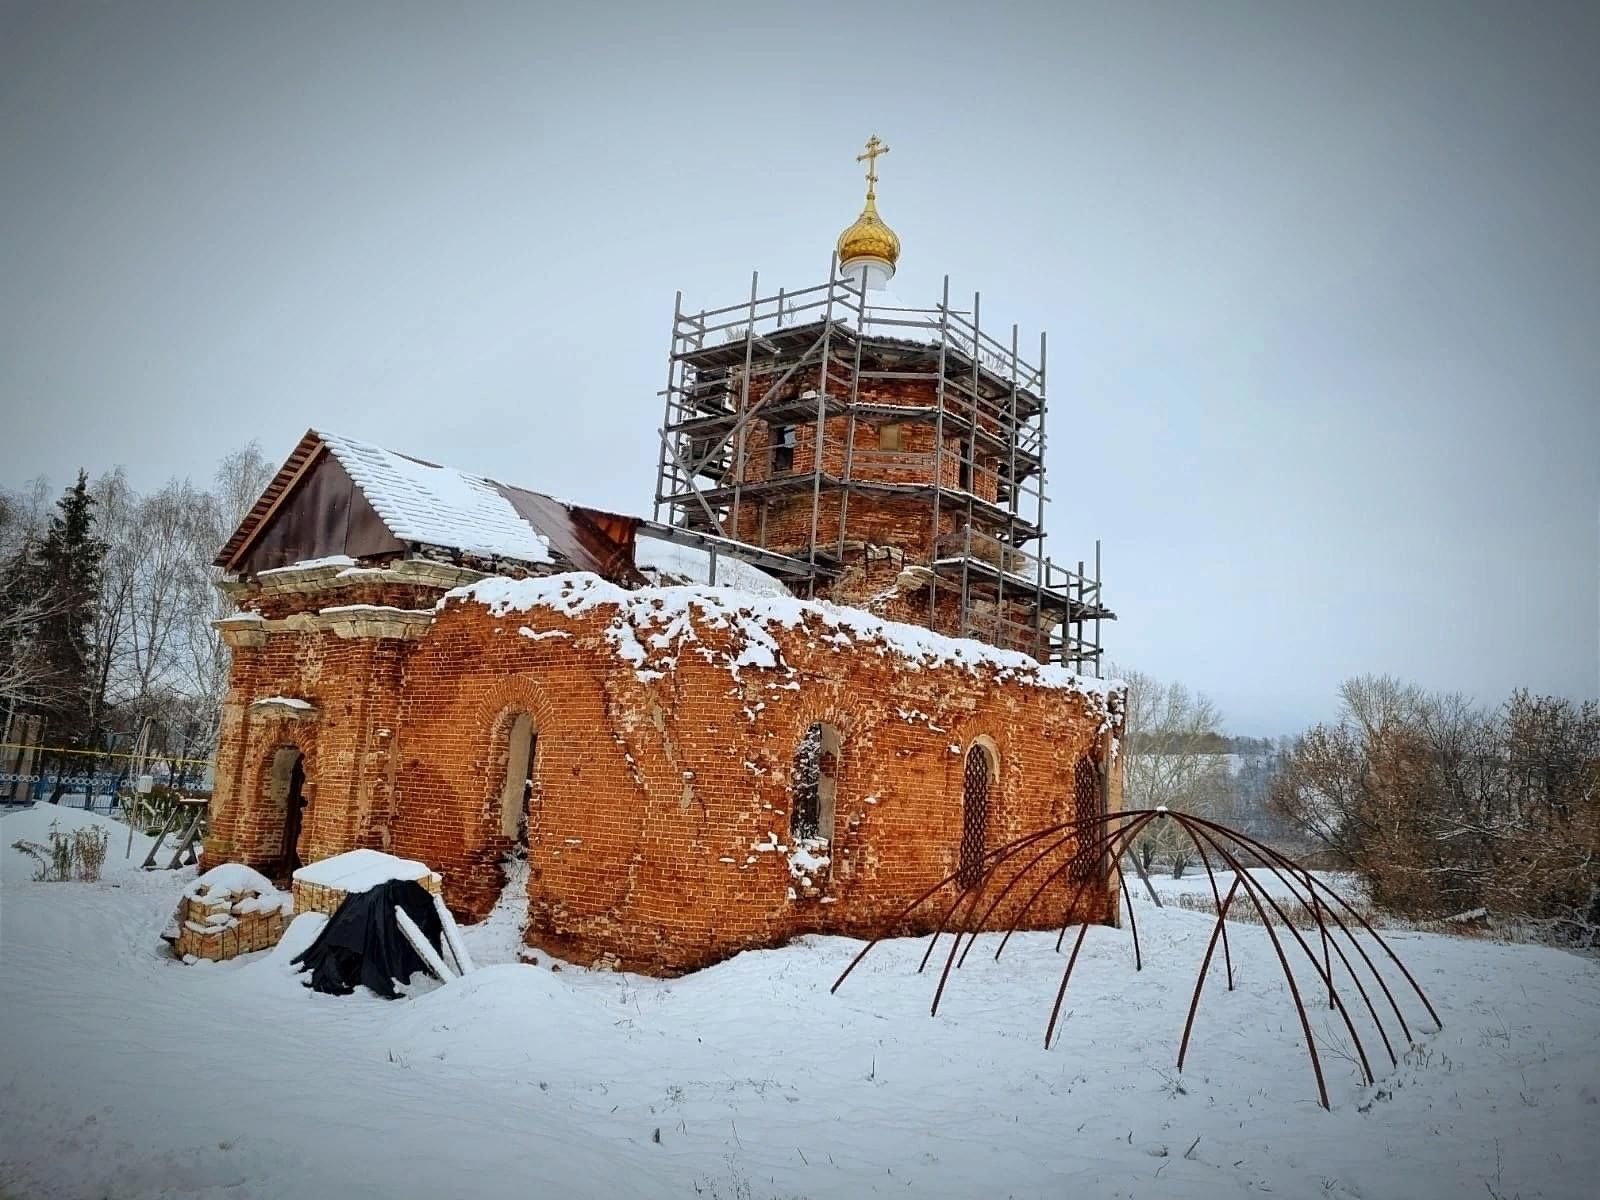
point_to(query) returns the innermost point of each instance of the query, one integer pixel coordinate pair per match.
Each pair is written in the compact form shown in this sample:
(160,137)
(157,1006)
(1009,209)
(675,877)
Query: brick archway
(269,822)
(506,708)
(834,729)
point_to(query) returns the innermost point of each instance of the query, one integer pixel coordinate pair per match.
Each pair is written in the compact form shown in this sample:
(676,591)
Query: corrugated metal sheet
(588,539)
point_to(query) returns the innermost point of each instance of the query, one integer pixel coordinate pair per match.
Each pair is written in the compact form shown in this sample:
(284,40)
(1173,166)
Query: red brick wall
(857,447)
(651,795)
(354,686)
(784,522)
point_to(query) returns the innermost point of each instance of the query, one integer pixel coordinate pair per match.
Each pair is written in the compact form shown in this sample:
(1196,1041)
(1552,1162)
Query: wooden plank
(419,943)
(191,834)
(452,937)
(166,828)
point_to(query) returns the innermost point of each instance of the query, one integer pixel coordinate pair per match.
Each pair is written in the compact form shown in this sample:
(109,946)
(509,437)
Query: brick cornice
(345,621)
(326,577)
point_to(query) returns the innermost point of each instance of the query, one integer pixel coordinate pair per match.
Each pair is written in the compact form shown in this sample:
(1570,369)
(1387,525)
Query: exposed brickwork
(659,822)
(320,898)
(876,534)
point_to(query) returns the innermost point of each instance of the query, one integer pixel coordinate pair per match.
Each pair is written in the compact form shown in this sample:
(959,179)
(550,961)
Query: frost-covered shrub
(89,852)
(78,854)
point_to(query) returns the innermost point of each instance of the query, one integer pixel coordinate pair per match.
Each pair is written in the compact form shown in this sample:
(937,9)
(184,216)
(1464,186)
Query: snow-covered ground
(125,1074)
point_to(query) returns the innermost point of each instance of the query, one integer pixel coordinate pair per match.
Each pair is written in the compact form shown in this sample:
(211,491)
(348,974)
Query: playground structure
(1044,857)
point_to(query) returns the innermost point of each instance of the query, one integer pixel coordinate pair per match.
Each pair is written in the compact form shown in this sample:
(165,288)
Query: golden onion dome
(870,237)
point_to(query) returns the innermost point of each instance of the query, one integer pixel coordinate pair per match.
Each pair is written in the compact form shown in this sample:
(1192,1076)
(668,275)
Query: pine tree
(64,566)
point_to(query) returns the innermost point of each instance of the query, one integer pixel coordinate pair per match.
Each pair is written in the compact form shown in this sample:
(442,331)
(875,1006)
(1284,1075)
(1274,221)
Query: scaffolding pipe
(855,399)
(666,414)
(1097,608)
(817,442)
(739,460)
(938,442)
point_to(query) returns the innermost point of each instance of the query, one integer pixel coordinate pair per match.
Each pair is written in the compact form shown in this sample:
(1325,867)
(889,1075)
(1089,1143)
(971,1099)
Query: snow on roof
(438,506)
(651,623)
(359,870)
(688,564)
(307,564)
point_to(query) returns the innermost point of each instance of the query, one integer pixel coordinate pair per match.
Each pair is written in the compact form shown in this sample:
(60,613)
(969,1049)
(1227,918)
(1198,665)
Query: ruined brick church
(833,668)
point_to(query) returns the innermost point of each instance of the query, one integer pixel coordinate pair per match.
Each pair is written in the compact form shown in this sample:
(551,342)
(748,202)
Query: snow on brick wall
(652,627)
(667,721)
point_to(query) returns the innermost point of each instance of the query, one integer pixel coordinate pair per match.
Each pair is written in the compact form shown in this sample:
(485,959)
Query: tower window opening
(783,443)
(889,437)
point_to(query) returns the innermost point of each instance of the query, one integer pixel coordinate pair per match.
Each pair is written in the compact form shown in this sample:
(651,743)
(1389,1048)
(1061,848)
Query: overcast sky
(1322,281)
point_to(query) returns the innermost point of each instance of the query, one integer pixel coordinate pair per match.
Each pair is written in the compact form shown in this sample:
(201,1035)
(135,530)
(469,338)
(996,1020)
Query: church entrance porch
(286,801)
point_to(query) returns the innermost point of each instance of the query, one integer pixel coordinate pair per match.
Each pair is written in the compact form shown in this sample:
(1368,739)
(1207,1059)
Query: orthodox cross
(870,157)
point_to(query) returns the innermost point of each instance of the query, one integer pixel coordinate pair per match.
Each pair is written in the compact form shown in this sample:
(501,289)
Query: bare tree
(117,516)
(1170,759)
(154,652)
(27,677)
(23,515)
(1444,807)
(240,479)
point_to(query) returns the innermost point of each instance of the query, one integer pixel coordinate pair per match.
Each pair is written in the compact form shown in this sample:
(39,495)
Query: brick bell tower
(892,455)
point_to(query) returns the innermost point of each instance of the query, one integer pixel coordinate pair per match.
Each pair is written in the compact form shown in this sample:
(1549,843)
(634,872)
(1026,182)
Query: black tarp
(362,942)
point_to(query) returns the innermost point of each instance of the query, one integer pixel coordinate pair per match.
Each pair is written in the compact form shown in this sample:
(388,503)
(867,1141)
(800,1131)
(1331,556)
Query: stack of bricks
(219,923)
(323,898)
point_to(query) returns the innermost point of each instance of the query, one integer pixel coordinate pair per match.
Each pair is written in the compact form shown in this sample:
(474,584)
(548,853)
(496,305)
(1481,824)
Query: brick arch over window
(264,837)
(511,717)
(814,781)
(980,790)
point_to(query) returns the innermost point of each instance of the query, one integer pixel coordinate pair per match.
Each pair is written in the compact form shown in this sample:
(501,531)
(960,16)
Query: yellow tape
(204,762)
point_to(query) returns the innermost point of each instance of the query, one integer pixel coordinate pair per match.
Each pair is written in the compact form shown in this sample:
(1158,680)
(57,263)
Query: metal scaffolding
(795,403)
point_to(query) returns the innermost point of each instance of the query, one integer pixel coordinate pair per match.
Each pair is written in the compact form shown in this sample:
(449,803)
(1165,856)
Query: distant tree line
(1206,741)
(107,599)
(1447,808)
(1443,807)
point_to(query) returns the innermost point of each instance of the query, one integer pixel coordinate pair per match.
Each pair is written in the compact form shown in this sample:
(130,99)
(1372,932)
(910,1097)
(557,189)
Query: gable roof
(431,505)
(423,504)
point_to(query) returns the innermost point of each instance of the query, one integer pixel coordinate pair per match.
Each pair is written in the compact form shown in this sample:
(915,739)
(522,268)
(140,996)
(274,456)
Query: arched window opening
(516,793)
(977,782)
(815,784)
(1088,800)
(286,795)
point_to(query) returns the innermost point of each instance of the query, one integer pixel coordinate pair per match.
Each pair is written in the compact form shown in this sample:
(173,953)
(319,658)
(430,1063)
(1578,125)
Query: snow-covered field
(124,1074)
